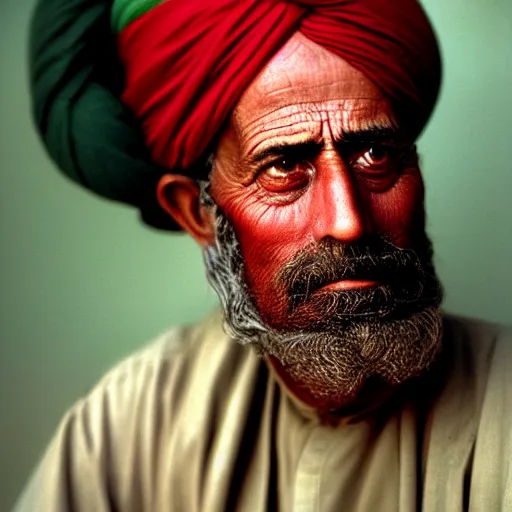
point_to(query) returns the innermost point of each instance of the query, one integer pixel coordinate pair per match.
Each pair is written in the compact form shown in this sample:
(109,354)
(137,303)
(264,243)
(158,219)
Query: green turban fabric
(76,81)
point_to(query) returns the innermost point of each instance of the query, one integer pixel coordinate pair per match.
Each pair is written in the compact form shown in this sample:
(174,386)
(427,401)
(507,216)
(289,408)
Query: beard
(335,341)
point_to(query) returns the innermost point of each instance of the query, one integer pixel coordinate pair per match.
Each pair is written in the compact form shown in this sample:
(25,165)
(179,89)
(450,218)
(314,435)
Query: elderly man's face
(312,225)
(320,257)
(312,155)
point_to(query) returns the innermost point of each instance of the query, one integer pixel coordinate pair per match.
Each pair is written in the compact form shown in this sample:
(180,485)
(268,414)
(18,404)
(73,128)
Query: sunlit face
(312,152)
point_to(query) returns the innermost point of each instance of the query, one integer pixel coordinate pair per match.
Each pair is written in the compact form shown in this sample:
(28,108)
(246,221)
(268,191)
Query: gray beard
(332,365)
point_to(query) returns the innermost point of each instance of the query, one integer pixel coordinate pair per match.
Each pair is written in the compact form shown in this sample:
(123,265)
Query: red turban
(188,62)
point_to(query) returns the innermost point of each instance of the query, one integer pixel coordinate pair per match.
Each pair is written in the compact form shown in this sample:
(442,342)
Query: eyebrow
(297,149)
(308,148)
(369,136)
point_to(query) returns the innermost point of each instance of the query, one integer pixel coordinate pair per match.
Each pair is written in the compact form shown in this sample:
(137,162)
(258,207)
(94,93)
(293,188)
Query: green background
(83,284)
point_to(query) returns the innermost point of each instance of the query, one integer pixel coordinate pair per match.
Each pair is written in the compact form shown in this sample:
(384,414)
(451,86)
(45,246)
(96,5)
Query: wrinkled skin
(278,202)
(313,155)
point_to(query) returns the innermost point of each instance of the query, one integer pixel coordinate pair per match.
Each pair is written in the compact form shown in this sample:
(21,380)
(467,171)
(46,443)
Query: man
(282,139)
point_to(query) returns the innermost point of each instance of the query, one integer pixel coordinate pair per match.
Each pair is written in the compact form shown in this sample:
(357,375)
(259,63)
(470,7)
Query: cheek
(396,214)
(269,235)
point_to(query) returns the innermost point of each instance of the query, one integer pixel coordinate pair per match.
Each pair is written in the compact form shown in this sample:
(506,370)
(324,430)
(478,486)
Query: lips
(349,284)
(340,278)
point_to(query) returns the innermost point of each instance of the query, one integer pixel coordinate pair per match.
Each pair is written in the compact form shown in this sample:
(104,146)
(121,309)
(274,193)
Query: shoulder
(178,374)
(168,364)
(174,351)
(150,408)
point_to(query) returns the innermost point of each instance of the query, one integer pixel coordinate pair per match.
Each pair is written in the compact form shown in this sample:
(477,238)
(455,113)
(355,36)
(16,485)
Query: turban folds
(187,62)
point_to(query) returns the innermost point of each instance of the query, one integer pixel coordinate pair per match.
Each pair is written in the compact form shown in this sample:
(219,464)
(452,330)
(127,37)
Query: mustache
(372,258)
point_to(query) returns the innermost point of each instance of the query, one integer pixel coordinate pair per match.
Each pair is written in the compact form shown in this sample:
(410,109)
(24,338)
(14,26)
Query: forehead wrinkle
(306,111)
(309,119)
(313,90)
(346,122)
(299,107)
(292,132)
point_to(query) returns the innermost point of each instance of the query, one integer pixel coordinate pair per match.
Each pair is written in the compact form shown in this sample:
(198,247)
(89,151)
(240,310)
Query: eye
(376,157)
(377,167)
(285,175)
(282,168)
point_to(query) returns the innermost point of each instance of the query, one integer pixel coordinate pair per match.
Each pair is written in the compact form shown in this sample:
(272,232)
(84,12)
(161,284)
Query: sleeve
(73,475)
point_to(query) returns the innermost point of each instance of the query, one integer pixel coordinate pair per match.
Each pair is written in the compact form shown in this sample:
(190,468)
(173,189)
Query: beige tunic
(196,422)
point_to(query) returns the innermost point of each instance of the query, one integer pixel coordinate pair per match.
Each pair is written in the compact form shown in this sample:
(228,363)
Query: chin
(332,369)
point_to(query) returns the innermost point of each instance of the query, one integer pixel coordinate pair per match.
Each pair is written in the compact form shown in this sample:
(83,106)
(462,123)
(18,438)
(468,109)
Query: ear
(179,196)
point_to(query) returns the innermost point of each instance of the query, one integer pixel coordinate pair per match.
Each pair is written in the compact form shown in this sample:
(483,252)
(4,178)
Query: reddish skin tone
(308,94)
(280,204)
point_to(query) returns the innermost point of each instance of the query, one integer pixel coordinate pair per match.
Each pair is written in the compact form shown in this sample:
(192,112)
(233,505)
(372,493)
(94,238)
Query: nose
(337,211)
